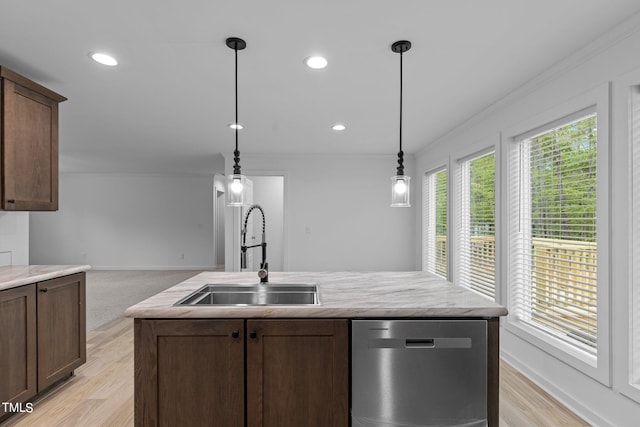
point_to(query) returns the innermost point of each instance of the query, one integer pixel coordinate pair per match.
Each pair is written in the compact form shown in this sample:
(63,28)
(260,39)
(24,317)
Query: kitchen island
(232,364)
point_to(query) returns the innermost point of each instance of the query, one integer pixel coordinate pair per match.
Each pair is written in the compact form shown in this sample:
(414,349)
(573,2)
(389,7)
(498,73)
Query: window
(435,223)
(553,235)
(476,221)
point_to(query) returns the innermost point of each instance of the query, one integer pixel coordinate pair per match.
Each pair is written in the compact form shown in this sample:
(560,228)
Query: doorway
(219,204)
(268,192)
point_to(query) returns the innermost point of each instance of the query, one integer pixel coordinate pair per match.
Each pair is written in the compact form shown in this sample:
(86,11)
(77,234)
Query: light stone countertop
(342,295)
(19,275)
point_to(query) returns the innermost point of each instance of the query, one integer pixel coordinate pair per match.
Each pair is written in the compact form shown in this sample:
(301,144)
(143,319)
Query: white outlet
(307,229)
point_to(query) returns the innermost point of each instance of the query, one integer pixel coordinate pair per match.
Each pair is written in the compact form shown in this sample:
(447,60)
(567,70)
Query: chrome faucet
(263,273)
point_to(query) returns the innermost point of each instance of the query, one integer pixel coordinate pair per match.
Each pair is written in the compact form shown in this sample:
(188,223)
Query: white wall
(598,65)
(337,214)
(268,192)
(14,238)
(127,221)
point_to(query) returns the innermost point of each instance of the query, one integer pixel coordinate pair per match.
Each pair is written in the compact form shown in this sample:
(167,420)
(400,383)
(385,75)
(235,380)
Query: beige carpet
(111,292)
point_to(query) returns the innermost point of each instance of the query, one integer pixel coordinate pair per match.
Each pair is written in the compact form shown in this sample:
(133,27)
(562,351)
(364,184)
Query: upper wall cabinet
(29,142)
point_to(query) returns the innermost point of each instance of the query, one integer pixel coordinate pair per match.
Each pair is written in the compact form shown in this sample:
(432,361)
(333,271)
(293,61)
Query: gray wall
(336,217)
(130,221)
(337,214)
(14,238)
(268,192)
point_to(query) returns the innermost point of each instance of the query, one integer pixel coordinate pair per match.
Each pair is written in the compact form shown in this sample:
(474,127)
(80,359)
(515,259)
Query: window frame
(425,228)
(598,366)
(625,274)
(458,212)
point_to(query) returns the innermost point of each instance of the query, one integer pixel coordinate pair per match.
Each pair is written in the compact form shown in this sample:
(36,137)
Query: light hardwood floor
(101,392)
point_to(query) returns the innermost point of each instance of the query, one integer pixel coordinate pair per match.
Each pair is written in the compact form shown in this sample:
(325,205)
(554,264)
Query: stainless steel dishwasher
(419,373)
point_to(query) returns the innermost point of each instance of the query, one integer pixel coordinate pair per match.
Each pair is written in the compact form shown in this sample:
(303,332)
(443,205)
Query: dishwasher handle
(422,343)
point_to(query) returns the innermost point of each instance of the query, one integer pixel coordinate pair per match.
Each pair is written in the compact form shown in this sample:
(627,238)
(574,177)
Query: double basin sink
(243,295)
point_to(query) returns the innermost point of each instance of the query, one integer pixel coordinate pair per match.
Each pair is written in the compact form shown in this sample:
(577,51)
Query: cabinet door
(17,344)
(30,145)
(189,373)
(297,373)
(61,328)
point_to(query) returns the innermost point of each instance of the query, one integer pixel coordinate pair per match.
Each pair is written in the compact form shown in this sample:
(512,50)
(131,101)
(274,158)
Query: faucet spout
(263,273)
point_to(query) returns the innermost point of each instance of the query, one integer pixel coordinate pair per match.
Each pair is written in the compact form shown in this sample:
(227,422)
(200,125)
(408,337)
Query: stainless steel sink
(266,294)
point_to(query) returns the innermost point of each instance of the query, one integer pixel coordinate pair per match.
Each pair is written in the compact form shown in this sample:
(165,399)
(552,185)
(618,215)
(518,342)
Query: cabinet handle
(44,290)
(235,334)
(253,334)
(11,201)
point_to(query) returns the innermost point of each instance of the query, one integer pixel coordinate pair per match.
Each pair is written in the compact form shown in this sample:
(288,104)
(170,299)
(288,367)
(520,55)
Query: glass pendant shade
(400,191)
(236,190)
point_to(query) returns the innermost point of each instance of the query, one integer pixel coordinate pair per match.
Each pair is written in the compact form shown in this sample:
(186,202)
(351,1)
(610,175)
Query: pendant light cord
(400,101)
(400,169)
(236,77)
(236,153)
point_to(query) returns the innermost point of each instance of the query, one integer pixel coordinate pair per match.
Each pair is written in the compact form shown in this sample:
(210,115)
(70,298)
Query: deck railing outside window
(435,223)
(563,283)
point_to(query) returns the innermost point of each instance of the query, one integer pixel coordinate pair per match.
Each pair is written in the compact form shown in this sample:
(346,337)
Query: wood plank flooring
(101,392)
(523,403)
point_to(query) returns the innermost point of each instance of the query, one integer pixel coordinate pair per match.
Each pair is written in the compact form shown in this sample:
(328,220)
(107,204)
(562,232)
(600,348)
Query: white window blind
(476,222)
(635,238)
(434,208)
(553,265)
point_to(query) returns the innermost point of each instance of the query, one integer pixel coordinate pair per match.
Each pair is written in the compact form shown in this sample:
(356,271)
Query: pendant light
(400,182)
(237,183)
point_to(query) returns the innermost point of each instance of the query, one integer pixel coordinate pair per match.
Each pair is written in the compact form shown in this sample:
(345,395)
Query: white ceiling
(167,105)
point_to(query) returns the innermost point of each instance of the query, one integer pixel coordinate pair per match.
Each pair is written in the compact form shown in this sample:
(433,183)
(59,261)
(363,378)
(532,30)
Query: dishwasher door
(419,373)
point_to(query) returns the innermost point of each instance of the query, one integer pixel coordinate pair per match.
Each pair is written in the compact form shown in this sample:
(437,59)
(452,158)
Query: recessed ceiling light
(315,62)
(104,59)
(235,126)
(338,127)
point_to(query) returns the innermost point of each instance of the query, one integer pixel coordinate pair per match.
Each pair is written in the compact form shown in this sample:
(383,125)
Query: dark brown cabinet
(298,373)
(61,328)
(42,336)
(189,372)
(213,372)
(29,139)
(18,369)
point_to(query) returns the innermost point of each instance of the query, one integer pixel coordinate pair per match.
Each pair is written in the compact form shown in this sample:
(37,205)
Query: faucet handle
(263,273)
